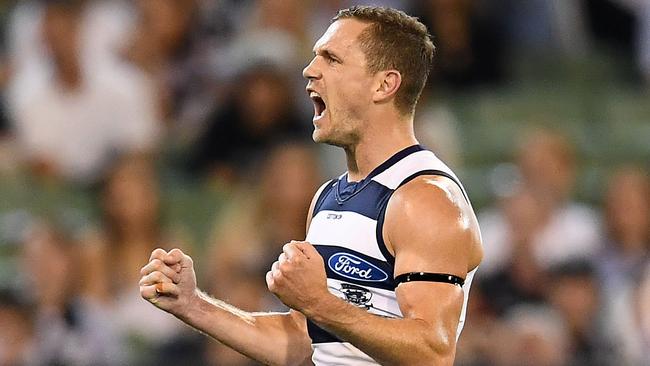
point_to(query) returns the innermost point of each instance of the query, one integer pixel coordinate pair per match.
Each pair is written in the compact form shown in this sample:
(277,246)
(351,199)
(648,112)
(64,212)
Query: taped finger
(167,289)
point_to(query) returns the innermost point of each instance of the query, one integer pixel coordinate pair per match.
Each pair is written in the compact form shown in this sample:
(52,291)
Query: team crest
(356,295)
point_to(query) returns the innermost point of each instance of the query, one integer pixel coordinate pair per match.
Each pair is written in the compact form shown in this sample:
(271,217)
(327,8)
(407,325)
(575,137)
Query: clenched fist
(169,281)
(298,277)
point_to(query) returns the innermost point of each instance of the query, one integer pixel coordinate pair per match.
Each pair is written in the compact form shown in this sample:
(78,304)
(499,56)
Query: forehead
(341,35)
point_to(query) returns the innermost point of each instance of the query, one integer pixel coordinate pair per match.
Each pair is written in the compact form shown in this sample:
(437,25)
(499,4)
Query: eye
(329,60)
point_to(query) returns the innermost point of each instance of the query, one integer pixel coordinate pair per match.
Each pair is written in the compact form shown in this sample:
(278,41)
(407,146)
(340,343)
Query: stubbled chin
(322,137)
(318,135)
(322,129)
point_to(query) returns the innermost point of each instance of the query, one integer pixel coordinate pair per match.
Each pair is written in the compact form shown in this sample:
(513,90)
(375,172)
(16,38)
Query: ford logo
(353,267)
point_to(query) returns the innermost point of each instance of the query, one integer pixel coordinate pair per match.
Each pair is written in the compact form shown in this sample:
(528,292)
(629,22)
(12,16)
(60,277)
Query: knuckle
(285,267)
(158,276)
(277,274)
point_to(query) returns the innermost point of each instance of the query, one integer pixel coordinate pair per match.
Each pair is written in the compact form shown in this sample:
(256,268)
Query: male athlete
(392,245)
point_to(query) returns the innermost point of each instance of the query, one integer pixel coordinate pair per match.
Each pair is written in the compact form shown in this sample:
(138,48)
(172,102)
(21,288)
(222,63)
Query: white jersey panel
(346,229)
(416,162)
(466,286)
(340,354)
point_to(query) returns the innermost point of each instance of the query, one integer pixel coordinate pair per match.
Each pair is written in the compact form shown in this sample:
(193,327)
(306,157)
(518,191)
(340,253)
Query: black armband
(429,277)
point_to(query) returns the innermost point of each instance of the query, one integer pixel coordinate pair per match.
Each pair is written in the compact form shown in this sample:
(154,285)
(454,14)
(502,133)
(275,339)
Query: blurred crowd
(123,102)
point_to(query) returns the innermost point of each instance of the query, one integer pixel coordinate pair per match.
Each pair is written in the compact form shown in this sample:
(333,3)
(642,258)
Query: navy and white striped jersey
(346,229)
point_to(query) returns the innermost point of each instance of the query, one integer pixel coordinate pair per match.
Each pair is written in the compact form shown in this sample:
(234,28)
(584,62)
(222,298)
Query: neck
(381,140)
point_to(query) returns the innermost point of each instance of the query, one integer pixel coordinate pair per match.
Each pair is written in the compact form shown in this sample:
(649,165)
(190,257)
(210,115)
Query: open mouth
(319,104)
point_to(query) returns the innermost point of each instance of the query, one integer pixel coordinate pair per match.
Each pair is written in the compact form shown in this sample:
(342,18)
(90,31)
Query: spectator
(520,280)
(72,121)
(576,294)
(469,39)
(172,44)
(273,32)
(569,230)
(627,245)
(71,326)
(260,114)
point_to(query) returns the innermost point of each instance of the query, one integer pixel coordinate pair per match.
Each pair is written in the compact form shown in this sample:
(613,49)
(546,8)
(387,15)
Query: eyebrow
(327,53)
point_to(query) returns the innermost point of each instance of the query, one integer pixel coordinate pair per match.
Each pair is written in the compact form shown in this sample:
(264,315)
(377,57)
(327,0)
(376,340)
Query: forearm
(388,341)
(270,338)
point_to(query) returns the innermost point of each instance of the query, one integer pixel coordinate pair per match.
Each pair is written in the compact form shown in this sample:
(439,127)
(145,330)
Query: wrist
(325,305)
(192,307)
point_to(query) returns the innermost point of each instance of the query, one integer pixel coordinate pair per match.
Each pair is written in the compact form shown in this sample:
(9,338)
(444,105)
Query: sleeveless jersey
(346,229)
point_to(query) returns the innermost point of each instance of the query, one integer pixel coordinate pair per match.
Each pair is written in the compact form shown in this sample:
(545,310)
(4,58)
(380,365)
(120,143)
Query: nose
(311,71)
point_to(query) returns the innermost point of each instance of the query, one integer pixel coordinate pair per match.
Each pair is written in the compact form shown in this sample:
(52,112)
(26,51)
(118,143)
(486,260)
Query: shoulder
(431,197)
(431,214)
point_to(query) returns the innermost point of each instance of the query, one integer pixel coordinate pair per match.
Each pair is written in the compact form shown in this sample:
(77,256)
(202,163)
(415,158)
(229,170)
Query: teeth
(314,95)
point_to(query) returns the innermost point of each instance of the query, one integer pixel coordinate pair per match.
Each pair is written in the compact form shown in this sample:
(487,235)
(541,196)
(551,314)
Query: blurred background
(130,125)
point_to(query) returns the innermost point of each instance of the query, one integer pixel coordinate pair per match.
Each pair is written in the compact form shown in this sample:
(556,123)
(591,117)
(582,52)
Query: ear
(388,83)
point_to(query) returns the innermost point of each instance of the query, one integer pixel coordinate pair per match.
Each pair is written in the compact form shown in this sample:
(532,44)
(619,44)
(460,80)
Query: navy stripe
(381,275)
(379,233)
(434,172)
(366,202)
(342,182)
(319,335)
(394,159)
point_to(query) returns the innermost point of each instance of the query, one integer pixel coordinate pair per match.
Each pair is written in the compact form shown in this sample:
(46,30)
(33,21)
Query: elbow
(433,356)
(440,350)
(429,356)
(444,359)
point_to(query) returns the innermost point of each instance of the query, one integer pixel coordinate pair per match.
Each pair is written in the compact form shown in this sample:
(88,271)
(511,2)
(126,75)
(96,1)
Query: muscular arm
(429,227)
(169,283)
